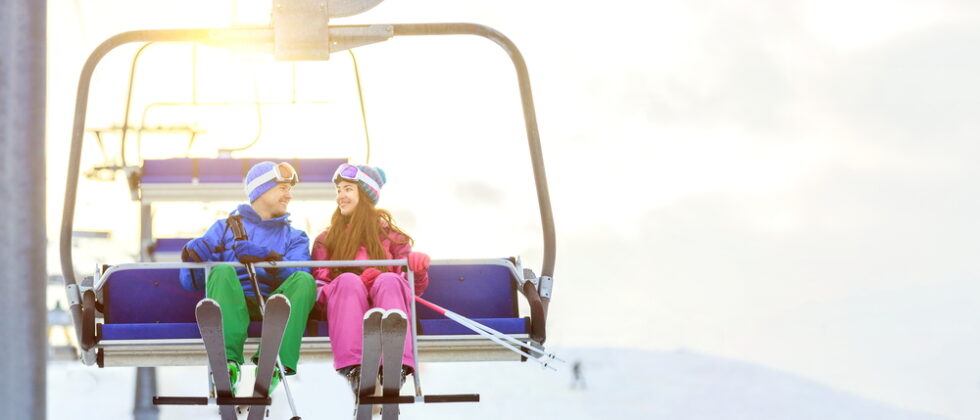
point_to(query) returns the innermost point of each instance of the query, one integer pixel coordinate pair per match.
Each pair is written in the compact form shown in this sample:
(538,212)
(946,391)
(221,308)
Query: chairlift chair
(147,319)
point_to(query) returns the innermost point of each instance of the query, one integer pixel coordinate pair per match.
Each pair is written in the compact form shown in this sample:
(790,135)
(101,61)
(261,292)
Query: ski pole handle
(237,229)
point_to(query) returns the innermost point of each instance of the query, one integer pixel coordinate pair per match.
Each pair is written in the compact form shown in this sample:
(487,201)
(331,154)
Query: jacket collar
(248,213)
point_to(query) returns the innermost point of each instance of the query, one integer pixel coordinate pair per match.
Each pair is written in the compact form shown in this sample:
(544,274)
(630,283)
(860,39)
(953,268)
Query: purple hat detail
(369,178)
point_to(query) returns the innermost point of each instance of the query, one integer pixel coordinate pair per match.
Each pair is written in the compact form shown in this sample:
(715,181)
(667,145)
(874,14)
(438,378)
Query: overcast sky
(791,183)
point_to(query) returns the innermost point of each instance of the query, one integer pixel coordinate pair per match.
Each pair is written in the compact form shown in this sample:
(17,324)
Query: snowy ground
(677,385)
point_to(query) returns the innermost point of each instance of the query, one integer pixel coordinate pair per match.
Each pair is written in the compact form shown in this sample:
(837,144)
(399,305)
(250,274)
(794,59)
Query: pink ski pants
(347,299)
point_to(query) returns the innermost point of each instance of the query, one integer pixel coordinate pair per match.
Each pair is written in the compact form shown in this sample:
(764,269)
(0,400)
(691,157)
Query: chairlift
(137,314)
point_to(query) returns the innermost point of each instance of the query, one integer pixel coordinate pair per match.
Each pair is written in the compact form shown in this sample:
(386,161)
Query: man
(271,238)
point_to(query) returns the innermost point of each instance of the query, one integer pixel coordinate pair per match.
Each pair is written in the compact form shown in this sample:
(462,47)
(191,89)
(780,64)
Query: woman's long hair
(364,227)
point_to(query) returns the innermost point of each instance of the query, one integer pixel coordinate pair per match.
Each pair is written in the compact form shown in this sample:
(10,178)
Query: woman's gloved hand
(418,261)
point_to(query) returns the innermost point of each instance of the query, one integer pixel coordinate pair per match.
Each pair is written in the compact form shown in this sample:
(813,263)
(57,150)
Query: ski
(370,360)
(274,320)
(208,314)
(393,329)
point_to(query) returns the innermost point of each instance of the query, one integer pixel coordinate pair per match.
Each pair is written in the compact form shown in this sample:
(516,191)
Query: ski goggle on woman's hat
(369,178)
(265,175)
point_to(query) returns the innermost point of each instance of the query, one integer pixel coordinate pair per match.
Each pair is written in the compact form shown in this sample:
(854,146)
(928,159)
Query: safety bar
(311,263)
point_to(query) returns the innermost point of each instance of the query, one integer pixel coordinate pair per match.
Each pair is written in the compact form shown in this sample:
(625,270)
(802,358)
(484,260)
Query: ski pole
(238,230)
(492,334)
(471,324)
(285,384)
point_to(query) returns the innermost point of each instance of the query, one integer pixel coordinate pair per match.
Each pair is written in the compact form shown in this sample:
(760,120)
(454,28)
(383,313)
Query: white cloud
(849,25)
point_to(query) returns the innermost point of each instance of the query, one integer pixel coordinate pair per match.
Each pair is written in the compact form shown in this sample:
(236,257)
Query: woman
(360,231)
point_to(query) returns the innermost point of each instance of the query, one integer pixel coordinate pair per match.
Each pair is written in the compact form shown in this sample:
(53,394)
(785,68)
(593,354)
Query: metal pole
(22,230)
(146,377)
(146,232)
(146,389)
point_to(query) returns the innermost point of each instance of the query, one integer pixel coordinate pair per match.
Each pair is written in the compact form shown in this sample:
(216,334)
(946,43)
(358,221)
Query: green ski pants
(237,312)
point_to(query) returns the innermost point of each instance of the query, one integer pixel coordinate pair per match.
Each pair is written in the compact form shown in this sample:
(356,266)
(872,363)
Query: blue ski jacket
(275,234)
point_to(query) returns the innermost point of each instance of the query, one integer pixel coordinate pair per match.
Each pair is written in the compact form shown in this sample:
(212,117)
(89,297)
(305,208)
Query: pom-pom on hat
(265,175)
(369,178)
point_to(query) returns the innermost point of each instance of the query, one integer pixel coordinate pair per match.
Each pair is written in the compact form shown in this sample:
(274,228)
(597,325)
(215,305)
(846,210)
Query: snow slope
(678,385)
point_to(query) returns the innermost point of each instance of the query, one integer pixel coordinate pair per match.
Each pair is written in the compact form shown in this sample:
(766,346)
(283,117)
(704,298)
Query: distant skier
(578,381)
(360,231)
(268,186)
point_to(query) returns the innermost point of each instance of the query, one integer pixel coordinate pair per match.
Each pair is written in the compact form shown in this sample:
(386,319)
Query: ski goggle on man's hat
(265,175)
(369,178)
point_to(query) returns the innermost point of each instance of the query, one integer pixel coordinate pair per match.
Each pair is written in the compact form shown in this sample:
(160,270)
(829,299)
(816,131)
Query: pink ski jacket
(394,250)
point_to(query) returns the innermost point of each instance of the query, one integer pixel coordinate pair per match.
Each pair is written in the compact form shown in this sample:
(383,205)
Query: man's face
(347,197)
(275,201)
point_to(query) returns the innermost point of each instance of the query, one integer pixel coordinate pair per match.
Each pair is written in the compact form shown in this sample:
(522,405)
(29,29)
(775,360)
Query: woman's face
(347,197)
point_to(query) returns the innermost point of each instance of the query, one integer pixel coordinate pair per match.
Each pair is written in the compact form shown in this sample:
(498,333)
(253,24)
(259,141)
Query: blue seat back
(169,244)
(168,170)
(148,297)
(220,170)
(227,170)
(473,291)
(483,292)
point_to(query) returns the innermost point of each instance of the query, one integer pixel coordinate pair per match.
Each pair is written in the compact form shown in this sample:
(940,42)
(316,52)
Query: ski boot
(235,374)
(276,378)
(353,376)
(405,371)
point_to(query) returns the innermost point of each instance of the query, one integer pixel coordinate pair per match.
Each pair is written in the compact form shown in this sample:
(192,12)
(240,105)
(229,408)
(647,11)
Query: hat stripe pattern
(378,175)
(256,171)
